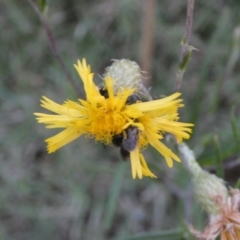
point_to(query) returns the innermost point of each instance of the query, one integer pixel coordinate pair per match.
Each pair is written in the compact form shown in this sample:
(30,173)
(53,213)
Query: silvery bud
(207,187)
(127,74)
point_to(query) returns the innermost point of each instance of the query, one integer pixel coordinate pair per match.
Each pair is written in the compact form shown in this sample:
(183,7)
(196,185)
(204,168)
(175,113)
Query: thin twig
(188,28)
(185,47)
(147,37)
(54,47)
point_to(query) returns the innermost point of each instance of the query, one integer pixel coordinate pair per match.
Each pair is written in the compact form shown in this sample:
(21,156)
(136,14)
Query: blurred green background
(84,190)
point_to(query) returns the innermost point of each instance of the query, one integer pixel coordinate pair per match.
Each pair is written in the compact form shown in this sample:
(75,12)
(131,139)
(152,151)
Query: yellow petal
(135,163)
(158,104)
(165,151)
(84,72)
(145,169)
(62,138)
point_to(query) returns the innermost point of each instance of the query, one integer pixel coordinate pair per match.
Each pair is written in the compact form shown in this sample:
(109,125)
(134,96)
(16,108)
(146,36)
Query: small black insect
(127,141)
(133,98)
(130,142)
(104,92)
(117,140)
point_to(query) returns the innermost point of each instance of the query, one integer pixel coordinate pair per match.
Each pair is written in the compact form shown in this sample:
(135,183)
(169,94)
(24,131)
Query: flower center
(107,121)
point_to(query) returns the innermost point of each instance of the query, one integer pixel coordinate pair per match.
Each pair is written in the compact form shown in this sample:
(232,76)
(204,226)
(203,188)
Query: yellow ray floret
(102,118)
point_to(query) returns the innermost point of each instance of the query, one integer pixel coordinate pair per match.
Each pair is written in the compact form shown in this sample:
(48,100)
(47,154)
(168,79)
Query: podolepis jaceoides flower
(109,113)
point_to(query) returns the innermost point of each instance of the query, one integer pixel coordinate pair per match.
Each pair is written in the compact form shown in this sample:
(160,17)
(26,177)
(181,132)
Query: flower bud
(206,186)
(125,73)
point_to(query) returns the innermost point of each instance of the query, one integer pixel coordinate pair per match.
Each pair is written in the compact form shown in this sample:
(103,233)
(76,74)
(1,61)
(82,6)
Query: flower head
(104,117)
(226,224)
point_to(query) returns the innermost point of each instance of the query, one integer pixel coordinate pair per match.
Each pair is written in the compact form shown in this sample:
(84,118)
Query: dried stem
(188,27)
(147,37)
(185,48)
(54,47)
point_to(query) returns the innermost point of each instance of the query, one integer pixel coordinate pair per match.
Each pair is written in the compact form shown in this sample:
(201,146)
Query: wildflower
(212,194)
(226,224)
(102,118)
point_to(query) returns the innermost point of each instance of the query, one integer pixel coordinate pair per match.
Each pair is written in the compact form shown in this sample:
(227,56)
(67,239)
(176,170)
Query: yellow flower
(105,117)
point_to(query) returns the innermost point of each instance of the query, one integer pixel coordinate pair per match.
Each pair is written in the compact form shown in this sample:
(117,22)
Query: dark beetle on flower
(130,142)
